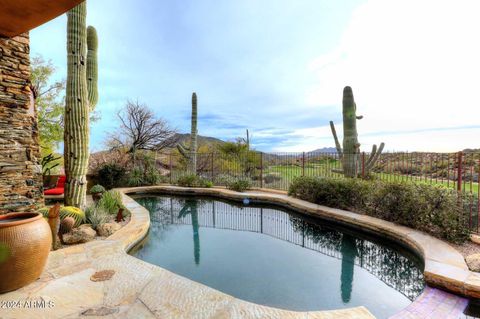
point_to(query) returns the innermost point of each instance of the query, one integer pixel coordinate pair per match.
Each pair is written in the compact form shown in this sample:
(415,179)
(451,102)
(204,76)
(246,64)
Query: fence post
(171,171)
(261,169)
(459,171)
(363,165)
(303,164)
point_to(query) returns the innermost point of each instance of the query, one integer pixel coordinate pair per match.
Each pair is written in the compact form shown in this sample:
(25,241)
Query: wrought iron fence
(459,171)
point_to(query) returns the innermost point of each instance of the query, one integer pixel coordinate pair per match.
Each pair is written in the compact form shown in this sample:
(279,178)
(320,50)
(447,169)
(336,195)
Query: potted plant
(97,192)
(25,241)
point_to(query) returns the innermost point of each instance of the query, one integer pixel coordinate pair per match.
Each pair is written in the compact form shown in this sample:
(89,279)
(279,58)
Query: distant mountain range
(329,150)
(185,138)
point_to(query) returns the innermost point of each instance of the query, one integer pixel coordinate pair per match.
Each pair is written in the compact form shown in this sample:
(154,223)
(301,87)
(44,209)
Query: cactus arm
(374,158)
(185,151)
(77,110)
(372,155)
(92,67)
(335,137)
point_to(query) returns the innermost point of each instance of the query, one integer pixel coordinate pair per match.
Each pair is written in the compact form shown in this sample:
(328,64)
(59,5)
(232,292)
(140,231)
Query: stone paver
(141,290)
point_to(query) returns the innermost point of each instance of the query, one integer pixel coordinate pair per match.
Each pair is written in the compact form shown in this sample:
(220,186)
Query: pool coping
(445,267)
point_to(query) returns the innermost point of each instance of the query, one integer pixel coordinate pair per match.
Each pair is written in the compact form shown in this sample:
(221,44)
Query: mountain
(329,150)
(185,138)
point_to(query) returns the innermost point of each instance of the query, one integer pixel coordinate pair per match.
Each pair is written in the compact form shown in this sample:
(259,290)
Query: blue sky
(278,67)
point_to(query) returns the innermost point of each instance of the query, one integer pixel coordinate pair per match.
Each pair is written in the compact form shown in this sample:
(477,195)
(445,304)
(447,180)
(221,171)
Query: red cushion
(55,191)
(61,181)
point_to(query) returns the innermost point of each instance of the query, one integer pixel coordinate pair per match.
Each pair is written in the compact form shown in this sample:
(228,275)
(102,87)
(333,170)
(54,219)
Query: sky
(278,68)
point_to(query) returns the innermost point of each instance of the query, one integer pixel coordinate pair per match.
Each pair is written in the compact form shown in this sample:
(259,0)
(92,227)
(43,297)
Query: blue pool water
(275,257)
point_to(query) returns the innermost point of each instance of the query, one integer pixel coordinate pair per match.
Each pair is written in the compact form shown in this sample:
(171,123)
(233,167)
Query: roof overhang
(19,16)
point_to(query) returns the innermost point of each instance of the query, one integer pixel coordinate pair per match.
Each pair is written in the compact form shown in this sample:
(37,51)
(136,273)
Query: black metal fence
(459,171)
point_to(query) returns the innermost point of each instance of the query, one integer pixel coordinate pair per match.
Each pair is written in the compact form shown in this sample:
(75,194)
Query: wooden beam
(19,16)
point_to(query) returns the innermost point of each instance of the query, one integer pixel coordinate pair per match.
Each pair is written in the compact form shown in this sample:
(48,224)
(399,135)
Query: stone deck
(142,290)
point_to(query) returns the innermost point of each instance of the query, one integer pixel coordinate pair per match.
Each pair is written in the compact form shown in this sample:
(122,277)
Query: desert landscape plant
(430,208)
(350,153)
(81,98)
(190,152)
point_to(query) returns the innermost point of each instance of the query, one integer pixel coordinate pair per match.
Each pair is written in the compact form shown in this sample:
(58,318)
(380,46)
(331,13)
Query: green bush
(430,208)
(135,177)
(192,180)
(96,215)
(240,184)
(139,176)
(97,189)
(111,175)
(111,202)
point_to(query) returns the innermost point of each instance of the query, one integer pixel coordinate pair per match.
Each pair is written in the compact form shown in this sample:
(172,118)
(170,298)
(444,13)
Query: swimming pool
(275,257)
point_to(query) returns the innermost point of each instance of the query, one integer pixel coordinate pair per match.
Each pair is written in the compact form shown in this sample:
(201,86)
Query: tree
(49,100)
(140,129)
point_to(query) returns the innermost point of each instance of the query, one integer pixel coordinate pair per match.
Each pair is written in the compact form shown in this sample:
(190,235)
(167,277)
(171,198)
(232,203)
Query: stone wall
(20,172)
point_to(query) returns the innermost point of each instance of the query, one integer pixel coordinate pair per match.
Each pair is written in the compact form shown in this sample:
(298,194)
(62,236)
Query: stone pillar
(20,171)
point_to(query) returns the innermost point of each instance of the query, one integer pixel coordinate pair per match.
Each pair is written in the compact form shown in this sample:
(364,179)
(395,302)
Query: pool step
(434,304)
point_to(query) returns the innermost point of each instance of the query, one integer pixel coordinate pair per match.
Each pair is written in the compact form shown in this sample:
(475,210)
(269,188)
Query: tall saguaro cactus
(82,75)
(92,67)
(350,154)
(190,153)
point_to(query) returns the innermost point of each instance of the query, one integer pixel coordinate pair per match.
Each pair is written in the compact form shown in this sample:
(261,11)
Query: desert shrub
(240,184)
(192,180)
(430,208)
(272,178)
(96,215)
(224,179)
(135,177)
(97,189)
(111,175)
(111,202)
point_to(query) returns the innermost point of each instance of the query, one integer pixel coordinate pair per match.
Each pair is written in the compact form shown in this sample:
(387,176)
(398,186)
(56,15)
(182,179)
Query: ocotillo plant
(78,105)
(350,154)
(190,153)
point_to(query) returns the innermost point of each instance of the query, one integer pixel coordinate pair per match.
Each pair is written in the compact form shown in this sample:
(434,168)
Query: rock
(82,234)
(102,275)
(107,229)
(473,262)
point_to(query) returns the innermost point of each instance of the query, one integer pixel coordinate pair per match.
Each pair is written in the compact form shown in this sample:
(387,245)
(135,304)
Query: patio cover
(19,16)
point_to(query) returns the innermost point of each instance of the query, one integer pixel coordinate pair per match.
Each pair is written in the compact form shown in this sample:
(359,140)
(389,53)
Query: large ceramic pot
(25,241)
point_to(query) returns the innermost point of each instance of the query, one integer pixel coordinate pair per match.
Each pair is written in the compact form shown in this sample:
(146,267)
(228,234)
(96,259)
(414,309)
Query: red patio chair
(59,188)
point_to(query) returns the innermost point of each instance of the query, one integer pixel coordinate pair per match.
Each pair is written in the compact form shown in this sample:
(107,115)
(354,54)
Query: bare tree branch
(140,129)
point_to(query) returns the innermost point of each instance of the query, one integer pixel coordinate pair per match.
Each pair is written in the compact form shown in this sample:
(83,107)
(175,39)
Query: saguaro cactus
(78,105)
(92,67)
(190,153)
(350,154)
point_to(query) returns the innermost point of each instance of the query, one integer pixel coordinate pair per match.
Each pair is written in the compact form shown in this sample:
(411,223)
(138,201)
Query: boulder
(107,229)
(473,262)
(81,234)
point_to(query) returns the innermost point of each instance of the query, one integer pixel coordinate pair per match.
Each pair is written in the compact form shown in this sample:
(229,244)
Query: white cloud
(413,65)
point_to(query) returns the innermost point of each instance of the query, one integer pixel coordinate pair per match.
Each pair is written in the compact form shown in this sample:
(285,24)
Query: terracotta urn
(25,241)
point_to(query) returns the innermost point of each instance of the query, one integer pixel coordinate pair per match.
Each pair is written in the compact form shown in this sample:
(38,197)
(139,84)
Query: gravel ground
(468,248)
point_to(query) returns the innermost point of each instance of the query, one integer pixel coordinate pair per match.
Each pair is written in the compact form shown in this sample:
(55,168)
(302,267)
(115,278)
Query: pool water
(274,257)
